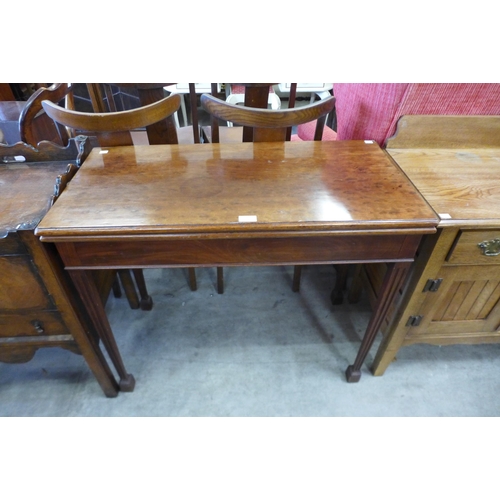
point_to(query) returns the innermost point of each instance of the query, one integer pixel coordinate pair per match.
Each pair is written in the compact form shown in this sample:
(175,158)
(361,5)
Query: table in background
(209,205)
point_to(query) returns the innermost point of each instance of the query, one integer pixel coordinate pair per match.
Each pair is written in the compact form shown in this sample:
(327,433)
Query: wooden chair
(113,129)
(188,134)
(103,100)
(35,125)
(256,95)
(163,132)
(266,125)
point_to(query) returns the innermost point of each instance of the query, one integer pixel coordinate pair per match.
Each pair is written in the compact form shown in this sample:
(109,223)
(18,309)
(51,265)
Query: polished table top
(250,188)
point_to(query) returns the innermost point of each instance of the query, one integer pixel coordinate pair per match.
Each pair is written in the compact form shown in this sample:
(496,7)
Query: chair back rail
(114,128)
(269,125)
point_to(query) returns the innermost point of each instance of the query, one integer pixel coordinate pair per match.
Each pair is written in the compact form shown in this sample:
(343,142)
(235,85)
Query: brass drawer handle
(490,248)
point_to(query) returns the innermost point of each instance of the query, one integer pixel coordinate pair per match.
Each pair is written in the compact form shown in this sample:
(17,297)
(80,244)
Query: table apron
(132,253)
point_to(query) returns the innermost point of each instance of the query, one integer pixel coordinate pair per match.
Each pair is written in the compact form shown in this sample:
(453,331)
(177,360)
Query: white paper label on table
(247,218)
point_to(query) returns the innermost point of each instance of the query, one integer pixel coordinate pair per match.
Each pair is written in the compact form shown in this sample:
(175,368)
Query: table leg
(99,367)
(297,273)
(392,281)
(337,295)
(92,301)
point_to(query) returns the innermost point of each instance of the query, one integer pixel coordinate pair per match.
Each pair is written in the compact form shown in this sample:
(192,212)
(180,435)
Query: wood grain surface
(205,188)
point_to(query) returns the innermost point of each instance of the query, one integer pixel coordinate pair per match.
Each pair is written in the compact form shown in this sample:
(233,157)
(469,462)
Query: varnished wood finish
(193,100)
(256,96)
(31,116)
(214,128)
(24,201)
(76,150)
(164,131)
(39,306)
(204,188)
(30,195)
(6,93)
(291,104)
(114,128)
(446,131)
(90,297)
(458,182)
(240,250)
(268,125)
(314,202)
(454,162)
(393,279)
(97,98)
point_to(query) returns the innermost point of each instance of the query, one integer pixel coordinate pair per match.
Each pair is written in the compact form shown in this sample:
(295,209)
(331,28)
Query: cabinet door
(466,305)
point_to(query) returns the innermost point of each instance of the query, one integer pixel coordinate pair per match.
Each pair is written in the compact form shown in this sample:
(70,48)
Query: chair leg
(220,280)
(297,273)
(146,302)
(117,291)
(337,295)
(129,288)
(192,279)
(356,285)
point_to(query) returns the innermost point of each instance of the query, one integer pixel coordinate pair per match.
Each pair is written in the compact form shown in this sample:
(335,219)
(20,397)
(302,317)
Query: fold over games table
(247,204)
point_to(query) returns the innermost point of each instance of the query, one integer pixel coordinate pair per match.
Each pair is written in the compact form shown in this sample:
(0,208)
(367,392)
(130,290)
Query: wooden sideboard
(452,293)
(38,303)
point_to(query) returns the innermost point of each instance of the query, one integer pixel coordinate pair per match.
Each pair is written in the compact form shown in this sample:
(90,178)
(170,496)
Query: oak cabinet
(452,292)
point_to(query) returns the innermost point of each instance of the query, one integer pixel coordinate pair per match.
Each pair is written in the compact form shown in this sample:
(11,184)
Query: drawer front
(476,248)
(11,244)
(44,323)
(20,285)
(268,250)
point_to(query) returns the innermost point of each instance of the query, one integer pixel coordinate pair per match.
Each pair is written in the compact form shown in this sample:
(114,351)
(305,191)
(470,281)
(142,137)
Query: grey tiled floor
(257,350)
